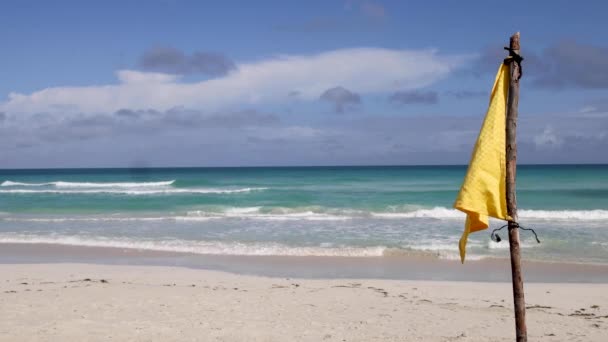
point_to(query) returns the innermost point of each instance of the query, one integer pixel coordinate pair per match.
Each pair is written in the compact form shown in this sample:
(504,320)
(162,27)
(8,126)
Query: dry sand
(81,302)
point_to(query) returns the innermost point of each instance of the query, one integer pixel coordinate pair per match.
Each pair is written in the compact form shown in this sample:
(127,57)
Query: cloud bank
(181,137)
(570,63)
(565,64)
(269,81)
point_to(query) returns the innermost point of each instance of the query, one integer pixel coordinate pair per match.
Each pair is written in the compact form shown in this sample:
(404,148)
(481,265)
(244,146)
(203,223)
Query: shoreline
(59,302)
(412,267)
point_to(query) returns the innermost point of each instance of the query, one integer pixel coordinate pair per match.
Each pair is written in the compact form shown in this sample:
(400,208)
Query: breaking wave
(238,248)
(445,213)
(311,213)
(585,215)
(62,184)
(132,191)
(198,247)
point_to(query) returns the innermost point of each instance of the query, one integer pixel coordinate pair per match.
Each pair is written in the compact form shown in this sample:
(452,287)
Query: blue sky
(202,83)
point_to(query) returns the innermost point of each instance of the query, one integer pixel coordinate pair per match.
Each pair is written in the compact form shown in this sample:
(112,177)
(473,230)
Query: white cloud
(131,76)
(548,138)
(362,70)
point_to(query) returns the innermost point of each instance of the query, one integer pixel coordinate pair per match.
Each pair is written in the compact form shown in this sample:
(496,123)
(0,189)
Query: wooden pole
(511,145)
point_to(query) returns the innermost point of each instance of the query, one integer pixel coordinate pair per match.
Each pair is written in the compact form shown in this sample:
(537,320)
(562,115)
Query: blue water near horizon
(334,211)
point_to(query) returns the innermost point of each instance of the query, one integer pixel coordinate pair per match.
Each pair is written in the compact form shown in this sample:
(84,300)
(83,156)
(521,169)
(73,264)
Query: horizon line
(282,166)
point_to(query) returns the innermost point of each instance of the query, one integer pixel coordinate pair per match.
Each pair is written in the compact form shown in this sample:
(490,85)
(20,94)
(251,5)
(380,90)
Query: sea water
(301,211)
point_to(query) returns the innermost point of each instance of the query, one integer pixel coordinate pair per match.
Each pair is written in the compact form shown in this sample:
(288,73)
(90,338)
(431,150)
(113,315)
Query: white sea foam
(505,244)
(439,246)
(449,250)
(10,183)
(277,214)
(586,215)
(132,191)
(241,211)
(251,213)
(443,249)
(445,213)
(235,248)
(128,188)
(305,216)
(600,243)
(87,219)
(198,247)
(437,212)
(62,184)
(310,213)
(456,256)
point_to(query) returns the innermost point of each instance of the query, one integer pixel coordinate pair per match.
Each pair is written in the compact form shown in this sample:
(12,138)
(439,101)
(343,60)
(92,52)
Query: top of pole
(514,42)
(514,56)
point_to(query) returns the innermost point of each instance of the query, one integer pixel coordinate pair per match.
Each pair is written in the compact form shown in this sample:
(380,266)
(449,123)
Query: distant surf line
(64,184)
(315,214)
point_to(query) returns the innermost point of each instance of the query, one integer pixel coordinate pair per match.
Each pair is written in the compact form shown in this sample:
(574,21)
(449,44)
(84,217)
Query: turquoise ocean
(300,211)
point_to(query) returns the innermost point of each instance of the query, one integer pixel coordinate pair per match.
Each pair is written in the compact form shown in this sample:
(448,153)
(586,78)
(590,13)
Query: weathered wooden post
(511,144)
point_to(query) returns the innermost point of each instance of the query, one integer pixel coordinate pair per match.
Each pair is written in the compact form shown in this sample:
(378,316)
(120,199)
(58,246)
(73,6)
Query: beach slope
(81,302)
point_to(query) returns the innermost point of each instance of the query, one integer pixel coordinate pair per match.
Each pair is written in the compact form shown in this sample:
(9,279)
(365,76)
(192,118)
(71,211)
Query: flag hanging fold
(483,192)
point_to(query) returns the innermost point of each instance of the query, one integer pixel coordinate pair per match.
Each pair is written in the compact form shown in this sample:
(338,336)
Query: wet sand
(413,267)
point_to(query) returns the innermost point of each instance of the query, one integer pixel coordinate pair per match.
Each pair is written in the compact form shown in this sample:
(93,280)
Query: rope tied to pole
(517,58)
(496,238)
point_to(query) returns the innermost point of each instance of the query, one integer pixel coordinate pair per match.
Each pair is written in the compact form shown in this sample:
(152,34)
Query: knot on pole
(515,57)
(496,238)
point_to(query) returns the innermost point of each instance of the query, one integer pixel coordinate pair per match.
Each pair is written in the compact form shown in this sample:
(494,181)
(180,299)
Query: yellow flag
(483,192)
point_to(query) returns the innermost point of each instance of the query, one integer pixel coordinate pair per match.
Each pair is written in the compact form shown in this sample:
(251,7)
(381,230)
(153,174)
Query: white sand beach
(85,302)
